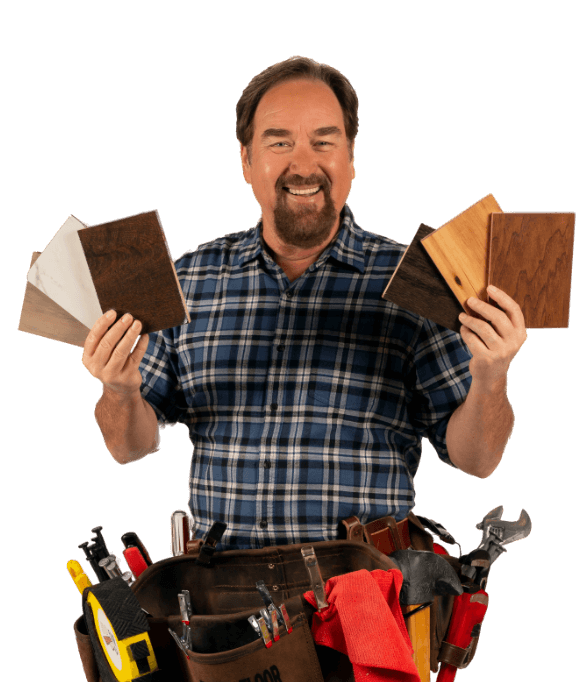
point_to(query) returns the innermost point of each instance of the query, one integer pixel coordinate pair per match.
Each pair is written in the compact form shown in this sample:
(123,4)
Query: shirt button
(273,407)
(281,348)
(267,465)
(289,294)
(263,523)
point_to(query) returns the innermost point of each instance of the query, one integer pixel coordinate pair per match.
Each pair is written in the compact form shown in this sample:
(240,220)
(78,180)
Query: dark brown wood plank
(417,285)
(531,257)
(40,315)
(132,271)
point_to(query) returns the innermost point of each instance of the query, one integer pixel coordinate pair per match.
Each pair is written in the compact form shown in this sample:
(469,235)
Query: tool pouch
(388,536)
(225,647)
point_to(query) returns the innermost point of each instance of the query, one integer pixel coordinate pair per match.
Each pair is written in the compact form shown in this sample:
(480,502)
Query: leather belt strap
(386,534)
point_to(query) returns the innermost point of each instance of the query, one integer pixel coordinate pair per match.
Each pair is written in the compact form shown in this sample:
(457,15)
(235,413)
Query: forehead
(294,104)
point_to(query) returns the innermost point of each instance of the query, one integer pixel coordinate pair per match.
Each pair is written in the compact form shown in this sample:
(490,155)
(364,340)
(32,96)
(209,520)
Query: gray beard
(306,226)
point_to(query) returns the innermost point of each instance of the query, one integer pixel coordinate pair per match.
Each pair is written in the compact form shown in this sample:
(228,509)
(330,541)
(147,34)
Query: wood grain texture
(531,257)
(40,315)
(418,286)
(132,271)
(460,249)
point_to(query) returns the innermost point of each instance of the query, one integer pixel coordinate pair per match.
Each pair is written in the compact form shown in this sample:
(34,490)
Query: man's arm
(128,424)
(479,428)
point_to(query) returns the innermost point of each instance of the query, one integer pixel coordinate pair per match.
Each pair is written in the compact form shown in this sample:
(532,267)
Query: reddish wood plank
(531,257)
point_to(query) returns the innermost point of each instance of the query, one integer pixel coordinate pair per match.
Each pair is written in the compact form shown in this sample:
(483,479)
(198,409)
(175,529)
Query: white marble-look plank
(61,272)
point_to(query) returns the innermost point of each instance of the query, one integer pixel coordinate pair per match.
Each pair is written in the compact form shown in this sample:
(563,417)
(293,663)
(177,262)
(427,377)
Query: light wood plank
(460,248)
(40,315)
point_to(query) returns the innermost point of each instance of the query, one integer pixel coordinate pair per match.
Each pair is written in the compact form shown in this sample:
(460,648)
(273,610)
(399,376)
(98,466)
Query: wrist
(121,396)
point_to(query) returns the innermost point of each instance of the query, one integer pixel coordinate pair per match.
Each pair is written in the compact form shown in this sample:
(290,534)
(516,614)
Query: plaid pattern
(305,402)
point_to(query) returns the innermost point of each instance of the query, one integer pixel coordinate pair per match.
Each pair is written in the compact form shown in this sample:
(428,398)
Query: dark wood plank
(40,315)
(417,285)
(531,257)
(132,271)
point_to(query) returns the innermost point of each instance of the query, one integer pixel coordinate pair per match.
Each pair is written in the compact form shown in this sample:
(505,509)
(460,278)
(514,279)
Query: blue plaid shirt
(305,402)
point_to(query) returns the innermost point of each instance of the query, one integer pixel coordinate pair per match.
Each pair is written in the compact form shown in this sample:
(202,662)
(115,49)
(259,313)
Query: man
(306,395)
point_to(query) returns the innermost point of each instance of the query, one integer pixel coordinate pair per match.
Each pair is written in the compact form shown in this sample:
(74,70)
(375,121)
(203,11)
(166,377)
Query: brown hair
(296,67)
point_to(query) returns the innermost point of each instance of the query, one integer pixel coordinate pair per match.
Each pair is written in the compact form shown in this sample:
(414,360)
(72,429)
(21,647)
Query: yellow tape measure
(119,631)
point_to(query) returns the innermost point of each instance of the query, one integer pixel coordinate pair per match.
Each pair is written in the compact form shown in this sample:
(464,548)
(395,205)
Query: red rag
(365,622)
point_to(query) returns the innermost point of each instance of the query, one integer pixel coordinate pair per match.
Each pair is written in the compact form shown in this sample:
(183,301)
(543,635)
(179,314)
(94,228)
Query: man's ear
(246,163)
(352,160)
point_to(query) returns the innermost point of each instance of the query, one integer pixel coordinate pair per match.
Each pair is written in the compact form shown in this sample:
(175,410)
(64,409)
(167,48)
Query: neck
(294,260)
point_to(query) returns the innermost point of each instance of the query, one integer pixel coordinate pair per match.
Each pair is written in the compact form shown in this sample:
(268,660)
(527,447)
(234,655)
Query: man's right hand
(108,355)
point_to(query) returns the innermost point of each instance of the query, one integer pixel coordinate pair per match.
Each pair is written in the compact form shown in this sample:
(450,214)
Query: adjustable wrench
(495,534)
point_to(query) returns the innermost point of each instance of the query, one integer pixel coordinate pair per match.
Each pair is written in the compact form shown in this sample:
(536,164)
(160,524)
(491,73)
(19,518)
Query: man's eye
(322,143)
(279,144)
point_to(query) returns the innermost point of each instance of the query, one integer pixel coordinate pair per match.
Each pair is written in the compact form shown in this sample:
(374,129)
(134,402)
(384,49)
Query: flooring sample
(531,258)
(418,286)
(460,249)
(133,272)
(62,274)
(42,316)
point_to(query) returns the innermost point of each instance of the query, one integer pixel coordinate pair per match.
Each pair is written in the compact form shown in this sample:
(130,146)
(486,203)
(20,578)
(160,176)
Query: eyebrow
(283,132)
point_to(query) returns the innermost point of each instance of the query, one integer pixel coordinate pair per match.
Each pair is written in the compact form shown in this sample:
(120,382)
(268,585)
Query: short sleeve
(441,383)
(160,384)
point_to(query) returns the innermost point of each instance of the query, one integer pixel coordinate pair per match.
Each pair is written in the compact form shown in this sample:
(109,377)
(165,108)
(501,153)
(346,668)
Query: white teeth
(304,192)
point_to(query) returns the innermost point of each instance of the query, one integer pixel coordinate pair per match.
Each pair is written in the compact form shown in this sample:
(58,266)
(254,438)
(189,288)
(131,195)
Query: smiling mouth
(310,191)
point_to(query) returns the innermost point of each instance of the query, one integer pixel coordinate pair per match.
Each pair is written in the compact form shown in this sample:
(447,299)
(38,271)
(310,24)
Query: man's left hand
(493,346)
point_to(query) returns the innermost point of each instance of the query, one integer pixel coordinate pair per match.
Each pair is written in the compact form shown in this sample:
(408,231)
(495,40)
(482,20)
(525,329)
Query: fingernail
(126,318)
(110,314)
(135,325)
(491,287)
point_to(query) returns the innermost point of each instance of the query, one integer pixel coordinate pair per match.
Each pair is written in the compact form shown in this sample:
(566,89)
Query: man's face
(301,166)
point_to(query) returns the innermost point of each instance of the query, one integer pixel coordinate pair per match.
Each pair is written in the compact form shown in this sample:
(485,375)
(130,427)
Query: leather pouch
(225,647)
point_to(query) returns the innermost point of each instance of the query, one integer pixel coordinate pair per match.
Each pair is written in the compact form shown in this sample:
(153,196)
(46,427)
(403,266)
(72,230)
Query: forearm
(479,429)
(128,424)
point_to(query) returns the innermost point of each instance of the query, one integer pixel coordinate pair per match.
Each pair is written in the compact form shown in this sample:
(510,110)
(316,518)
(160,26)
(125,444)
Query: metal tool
(261,629)
(185,613)
(495,534)
(280,611)
(179,642)
(109,565)
(180,532)
(315,574)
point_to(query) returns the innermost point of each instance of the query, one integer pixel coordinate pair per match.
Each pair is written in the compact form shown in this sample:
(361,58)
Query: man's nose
(304,160)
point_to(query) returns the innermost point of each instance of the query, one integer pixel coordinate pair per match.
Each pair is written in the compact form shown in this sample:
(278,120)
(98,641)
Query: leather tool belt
(225,647)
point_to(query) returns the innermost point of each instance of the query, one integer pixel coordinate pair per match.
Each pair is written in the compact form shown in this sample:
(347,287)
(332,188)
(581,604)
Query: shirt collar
(346,248)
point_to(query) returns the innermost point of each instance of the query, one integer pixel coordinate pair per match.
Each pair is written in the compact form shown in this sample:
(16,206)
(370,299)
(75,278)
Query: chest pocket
(344,372)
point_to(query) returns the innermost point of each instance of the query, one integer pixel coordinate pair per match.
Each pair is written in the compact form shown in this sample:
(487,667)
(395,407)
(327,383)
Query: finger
(106,346)
(140,349)
(123,347)
(484,331)
(509,305)
(96,333)
(497,317)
